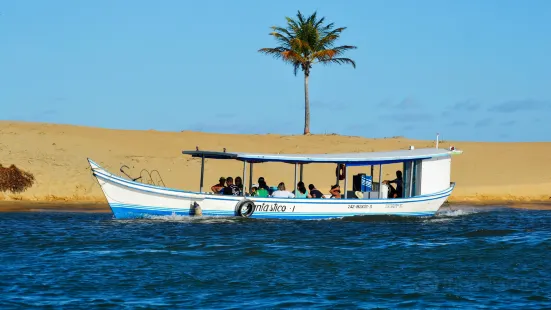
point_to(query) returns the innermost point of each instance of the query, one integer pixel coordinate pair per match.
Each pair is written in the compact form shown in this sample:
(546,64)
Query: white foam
(451,212)
(186,219)
(109,252)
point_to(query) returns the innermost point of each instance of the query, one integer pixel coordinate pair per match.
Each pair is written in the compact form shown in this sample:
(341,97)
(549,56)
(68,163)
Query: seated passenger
(256,191)
(314,192)
(262,192)
(239,184)
(217,188)
(282,192)
(231,189)
(396,193)
(335,191)
(262,184)
(301,191)
(254,188)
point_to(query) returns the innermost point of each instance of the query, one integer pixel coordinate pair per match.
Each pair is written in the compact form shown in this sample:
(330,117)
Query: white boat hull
(129,199)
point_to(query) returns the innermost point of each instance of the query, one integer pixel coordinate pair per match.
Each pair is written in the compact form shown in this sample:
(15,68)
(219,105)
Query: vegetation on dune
(14,179)
(307,41)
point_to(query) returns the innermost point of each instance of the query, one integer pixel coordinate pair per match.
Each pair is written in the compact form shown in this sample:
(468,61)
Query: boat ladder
(145,177)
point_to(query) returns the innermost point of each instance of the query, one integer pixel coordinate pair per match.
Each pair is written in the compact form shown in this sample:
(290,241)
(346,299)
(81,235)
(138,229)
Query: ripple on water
(462,257)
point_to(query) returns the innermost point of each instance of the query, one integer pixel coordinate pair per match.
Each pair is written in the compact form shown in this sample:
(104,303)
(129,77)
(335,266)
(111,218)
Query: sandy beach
(56,155)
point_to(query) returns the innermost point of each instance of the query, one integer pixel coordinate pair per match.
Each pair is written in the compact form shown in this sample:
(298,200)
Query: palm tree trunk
(306,105)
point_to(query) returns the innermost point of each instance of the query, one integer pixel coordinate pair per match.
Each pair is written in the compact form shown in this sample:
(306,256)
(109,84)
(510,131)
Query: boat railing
(145,177)
(159,179)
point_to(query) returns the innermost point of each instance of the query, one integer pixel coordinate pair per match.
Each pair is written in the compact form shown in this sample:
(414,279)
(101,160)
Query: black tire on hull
(244,208)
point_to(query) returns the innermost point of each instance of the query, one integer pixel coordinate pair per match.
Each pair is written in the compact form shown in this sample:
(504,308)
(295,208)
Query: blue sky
(471,70)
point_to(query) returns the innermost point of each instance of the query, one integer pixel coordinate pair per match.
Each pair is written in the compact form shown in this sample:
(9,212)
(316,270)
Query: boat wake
(443,216)
(383,218)
(185,219)
(456,212)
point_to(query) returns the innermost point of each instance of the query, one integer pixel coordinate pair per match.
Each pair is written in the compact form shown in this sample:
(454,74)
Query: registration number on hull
(394,206)
(360,206)
(388,206)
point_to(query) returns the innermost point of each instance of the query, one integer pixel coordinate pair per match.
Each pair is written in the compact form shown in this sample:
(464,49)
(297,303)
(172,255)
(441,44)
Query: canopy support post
(380,180)
(202,173)
(250,176)
(372,176)
(301,171)
(337,175)
(295,192)
(411,179)
(244,177)
(345,181)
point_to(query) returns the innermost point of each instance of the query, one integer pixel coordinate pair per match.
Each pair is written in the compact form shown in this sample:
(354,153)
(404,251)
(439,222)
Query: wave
(383,218)
(118,252)
(458,211)
(490,233)
(205,219)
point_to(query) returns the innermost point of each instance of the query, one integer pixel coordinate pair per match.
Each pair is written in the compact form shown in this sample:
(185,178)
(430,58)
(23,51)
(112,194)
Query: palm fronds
(305,41)
(308,40)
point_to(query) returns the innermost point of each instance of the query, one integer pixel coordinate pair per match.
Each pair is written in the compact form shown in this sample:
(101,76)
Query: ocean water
(495,258)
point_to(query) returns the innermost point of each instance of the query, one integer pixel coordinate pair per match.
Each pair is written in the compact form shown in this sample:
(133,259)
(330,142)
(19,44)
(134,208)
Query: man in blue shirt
(314,192)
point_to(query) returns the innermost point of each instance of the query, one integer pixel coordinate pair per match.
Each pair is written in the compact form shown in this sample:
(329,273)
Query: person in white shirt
(281,192)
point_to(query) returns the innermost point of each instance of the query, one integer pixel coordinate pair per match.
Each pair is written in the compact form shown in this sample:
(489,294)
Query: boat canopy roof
(351,159)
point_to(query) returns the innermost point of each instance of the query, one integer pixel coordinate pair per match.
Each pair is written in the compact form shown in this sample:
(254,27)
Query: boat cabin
(424,171)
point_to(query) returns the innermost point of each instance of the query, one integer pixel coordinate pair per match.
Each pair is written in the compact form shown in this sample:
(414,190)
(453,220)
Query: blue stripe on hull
(128,212)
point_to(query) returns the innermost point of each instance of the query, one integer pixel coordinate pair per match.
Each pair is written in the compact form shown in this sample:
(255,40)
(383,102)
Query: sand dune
(56,155)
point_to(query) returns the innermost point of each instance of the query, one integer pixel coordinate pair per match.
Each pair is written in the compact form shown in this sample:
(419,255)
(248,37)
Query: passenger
(314,192)
(260,191)
(231,189)
(262,184)
(282,192)
(396,193)
(239,183)
(254,189)
(218,188)
(302,192)
(335,191)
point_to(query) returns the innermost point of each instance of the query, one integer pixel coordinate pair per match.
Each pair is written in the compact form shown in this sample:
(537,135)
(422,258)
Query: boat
(426,187)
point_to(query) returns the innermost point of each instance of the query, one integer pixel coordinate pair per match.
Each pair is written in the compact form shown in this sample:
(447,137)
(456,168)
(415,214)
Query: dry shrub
(14,179)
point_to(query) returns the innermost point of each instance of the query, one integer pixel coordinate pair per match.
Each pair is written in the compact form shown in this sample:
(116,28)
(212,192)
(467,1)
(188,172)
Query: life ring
(244,208)
(341,172)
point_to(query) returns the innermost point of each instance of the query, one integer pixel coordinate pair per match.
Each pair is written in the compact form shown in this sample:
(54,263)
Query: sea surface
(488,258)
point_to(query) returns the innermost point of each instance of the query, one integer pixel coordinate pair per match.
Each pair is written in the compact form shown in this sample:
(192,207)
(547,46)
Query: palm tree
(304,42)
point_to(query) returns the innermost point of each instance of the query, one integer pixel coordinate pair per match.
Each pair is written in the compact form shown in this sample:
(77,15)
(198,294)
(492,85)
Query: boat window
(411,177)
